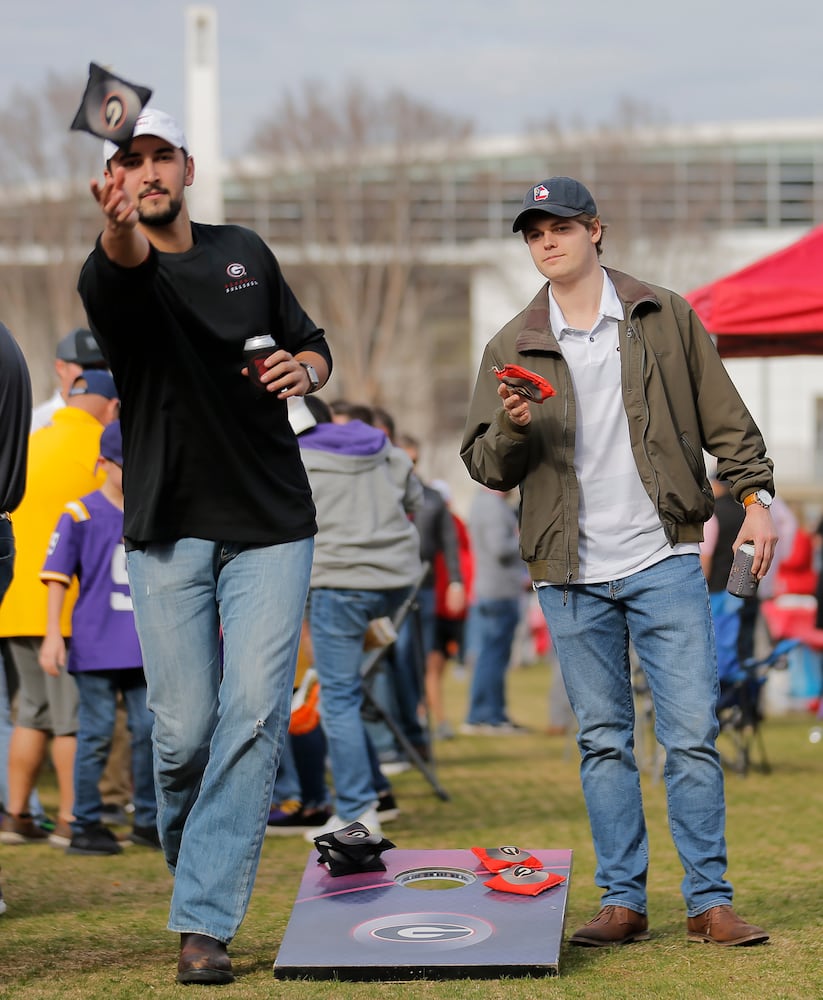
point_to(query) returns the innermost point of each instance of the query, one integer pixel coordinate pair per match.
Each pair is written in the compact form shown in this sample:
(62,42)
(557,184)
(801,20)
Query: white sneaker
(394,767)
(369,819)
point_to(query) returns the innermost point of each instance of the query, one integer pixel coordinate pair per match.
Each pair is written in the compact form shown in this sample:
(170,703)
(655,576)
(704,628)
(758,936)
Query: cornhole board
(428,916)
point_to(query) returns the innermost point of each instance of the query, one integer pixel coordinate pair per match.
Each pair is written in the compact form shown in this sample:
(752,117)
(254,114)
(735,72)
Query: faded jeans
(665,611)
(339,619)
(218,725)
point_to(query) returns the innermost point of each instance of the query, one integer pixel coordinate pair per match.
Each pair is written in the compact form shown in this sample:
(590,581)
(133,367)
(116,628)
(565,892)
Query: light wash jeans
(492,625)
(96,711)
(338,620)
(665,610)
(218,726)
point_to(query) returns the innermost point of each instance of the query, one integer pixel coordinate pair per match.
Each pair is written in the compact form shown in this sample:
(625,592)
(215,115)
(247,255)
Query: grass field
(87,928)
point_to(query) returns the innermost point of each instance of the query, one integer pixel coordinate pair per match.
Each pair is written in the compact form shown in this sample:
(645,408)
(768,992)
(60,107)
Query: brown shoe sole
(757,938)
(206,977)
(588,942)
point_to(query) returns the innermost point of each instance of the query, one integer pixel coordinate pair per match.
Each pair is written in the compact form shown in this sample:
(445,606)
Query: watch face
(764,498)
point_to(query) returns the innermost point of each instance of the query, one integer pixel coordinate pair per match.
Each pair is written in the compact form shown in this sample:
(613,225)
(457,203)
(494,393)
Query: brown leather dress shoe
(721,925)
(612,925)
(203,960)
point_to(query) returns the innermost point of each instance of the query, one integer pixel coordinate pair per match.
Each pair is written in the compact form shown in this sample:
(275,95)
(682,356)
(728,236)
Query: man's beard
(160,219)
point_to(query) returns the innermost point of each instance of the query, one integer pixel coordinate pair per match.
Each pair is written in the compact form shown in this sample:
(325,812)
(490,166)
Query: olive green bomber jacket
(679,401)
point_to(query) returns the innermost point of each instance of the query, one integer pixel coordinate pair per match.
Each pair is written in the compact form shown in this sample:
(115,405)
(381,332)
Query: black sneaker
(387,809)
(94,839)
(145,836)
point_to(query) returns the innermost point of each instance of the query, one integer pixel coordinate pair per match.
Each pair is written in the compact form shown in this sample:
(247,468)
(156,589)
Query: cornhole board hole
(428,916)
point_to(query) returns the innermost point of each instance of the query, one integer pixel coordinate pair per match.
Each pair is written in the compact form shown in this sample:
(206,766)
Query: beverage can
(255,351)
(742,582)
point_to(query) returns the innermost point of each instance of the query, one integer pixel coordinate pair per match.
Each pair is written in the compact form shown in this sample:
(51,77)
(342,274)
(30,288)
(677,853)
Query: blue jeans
(219,723)
(665,612)
(492,625)
(338,620)
(97,707)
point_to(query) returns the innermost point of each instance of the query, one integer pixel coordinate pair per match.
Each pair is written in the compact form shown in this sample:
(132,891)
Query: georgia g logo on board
(437,931)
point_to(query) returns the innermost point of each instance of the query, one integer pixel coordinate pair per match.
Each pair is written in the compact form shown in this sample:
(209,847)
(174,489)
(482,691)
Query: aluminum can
(742,582)
(255,351)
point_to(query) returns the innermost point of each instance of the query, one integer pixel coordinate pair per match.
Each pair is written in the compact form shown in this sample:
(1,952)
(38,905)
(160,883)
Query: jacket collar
(536,333)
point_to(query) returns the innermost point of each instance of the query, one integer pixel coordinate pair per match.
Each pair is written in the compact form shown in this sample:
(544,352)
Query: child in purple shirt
(103,654)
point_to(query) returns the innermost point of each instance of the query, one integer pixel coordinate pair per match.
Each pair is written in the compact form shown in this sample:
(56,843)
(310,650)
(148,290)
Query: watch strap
(314,378)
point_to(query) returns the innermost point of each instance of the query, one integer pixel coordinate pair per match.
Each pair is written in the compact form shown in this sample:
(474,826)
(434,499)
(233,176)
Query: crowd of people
(209,550)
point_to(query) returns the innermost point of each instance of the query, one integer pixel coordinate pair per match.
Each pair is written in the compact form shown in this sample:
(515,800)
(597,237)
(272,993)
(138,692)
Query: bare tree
(348,160)
(46,224)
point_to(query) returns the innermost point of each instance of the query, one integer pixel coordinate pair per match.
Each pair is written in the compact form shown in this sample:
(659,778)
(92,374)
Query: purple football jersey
(88,544)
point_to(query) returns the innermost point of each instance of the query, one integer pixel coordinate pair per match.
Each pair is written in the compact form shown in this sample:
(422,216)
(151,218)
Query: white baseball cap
(151,121)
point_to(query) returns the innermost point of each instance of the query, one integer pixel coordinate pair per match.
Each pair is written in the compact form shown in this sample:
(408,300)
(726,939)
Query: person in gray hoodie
(366,560)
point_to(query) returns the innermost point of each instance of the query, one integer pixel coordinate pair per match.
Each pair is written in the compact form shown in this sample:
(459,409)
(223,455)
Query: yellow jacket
(62,467)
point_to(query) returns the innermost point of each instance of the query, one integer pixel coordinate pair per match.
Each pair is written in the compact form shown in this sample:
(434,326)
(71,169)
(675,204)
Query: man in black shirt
(219,520)
(15,418)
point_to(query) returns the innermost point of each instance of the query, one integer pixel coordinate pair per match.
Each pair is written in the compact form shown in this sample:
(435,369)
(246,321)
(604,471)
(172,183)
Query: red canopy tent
(772,307)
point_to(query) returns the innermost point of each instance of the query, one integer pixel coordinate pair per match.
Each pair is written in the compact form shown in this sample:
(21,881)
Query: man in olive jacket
(614,497)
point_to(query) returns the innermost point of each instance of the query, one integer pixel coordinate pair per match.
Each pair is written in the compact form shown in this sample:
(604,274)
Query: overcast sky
(502,63)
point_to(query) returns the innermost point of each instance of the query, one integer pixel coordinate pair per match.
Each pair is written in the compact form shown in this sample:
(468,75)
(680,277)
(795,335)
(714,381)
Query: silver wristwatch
(763,497)
(314,378)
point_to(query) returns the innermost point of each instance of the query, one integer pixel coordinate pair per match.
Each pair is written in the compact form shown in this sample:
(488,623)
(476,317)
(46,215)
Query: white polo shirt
(620,532)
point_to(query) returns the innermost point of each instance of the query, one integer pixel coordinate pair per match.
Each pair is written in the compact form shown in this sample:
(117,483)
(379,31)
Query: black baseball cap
(563,196)
(80,348)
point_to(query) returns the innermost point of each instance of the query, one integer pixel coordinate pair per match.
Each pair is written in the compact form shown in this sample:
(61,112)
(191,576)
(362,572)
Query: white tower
(205,197)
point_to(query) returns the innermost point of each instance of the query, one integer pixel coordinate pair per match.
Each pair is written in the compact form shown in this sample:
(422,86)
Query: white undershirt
(620,531)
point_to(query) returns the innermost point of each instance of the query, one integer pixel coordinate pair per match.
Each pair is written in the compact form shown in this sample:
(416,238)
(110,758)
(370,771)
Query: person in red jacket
(449,624)
(796,574)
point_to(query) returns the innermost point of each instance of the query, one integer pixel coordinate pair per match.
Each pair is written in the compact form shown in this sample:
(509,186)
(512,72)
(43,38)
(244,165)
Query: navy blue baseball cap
(563,196)
(111,443)
(95,382)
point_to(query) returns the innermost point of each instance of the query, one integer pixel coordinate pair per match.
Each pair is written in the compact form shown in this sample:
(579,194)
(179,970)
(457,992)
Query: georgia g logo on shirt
(238,277)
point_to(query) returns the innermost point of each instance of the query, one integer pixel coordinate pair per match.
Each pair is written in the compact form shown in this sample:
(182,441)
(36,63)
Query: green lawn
(88,928)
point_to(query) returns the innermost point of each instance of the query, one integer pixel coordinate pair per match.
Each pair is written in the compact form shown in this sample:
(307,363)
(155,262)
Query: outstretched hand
(116,205)
(516,407)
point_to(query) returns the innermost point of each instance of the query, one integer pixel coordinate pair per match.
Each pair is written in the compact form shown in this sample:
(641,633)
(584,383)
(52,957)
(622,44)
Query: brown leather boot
(721,925)
(203,960)
(612,925)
